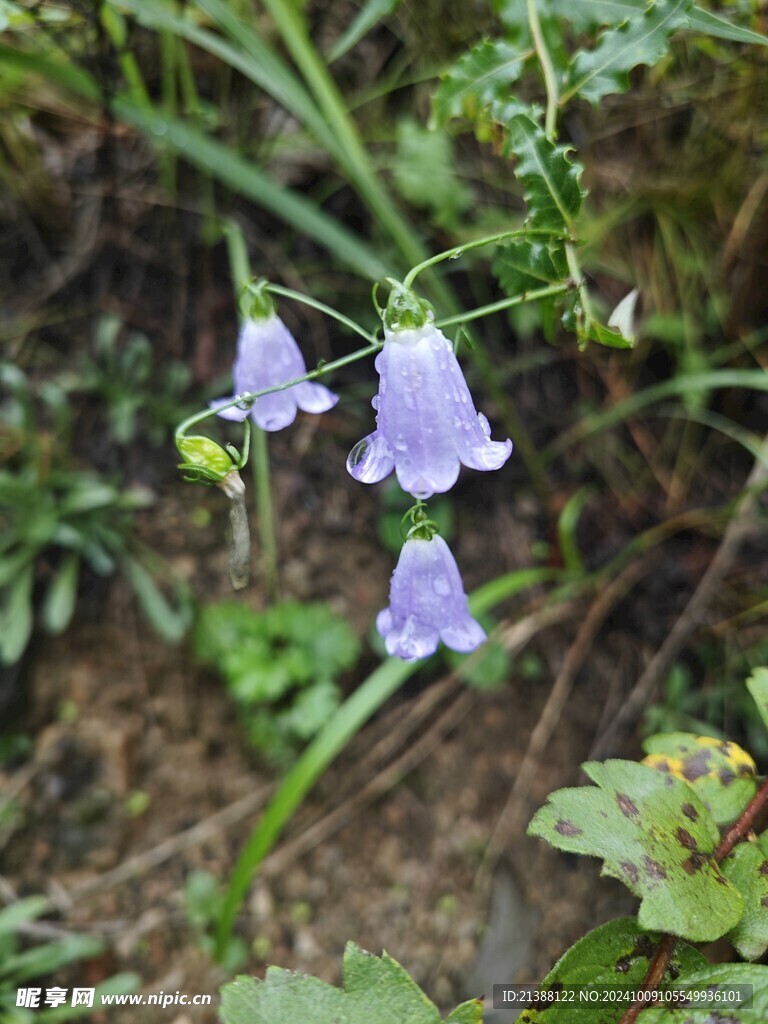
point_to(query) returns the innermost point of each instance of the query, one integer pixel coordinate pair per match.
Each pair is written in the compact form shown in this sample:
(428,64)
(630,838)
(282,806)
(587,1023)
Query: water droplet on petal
(441,586)
(400,444)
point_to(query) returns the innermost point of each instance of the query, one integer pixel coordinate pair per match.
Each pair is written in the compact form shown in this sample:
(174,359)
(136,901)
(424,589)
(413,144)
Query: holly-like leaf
(721,988)
(589,14)
(524,264)
(747,868)
(550,180)
(721,773)
(656,836)
(643,39)
(484,75)
(715,25)
(616,954)
(377,990)
(757,684)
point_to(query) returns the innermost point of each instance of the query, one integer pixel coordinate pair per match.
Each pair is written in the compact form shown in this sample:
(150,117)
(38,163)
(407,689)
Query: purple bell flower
(427,603)
(267,355)
(426,422)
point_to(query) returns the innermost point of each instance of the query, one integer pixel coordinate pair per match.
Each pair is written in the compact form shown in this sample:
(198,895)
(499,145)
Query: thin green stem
(459,250)
(289,293)
(497,307)
(548,69)
(574,266)
(262,485)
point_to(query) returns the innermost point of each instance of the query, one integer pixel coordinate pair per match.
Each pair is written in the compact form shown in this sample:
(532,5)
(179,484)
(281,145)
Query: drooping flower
(267,355)
(426,422)
(427,603)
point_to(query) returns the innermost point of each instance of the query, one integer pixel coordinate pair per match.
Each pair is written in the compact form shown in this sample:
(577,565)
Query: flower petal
(426,603)
(275,411)
(314,397)
(233,413)
(370,460)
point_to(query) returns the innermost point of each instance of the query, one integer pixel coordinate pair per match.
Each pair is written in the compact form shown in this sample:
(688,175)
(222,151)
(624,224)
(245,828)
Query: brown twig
(654,977)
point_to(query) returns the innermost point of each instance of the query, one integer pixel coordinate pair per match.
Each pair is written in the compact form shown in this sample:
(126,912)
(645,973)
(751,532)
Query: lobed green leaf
(643,39)
(747,868)
(716,983)
(616,954)
(484,75)
(550,180)
(376,990)
(654,834)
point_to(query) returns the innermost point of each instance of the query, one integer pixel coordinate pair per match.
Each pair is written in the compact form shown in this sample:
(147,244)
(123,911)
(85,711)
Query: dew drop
(441,586)
(400,444)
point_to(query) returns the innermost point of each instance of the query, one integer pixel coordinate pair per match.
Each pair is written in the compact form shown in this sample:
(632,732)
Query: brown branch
(654,977)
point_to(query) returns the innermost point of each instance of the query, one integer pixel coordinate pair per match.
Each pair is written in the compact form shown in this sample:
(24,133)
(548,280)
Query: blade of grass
(713,380)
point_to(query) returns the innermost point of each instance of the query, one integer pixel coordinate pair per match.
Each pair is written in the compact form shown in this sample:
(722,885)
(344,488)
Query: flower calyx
(405,311)
(421,526)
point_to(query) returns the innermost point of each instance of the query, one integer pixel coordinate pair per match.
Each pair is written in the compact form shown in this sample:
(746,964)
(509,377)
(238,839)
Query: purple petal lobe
(426,603)
(314,397)
(267,356)
(233,412)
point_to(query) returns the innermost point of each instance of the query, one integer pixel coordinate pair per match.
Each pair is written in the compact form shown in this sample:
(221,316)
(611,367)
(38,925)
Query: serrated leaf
(715,25)
(643,39)
(654,834)
(550,180)
(522,264)
(757,684)
(721,773)
(709,981)
(616,953)
(377,990)
(747,868)
(587,14)
(483,75)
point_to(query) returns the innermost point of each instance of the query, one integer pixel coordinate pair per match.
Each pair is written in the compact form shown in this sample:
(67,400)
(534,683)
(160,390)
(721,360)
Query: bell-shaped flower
(427,603)
(267,356)
(426,422)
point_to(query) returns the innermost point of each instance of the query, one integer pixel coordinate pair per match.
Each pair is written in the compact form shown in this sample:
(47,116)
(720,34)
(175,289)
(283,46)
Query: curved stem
(289,293)
(459,250)
(496,307)
(548,69)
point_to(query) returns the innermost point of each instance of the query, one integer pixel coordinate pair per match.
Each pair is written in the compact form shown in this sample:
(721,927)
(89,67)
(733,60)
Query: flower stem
(548,69)
(263,487)
(289,293)
(459,250)
(497,307)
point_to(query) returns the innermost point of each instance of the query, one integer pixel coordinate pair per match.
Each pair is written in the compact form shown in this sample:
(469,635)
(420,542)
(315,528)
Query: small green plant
(57,516)
(25,968)
(139,395)
(281,667)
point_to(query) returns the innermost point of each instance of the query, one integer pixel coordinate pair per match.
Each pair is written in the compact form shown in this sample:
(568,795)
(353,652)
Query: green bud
(202,451)
(405,310)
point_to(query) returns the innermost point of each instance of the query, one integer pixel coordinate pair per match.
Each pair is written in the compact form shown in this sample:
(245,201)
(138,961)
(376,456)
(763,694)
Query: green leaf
(424,172)
(656,836)
(590,14)
(170,621)
(16,616)
(747,868)
(522,264)
(377,990)
(709,981)
(714,25)
(369,15)
(550,180)
(61,595)
(757,684)
(616,953)
(484,75)
(721,773)
(644,39)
